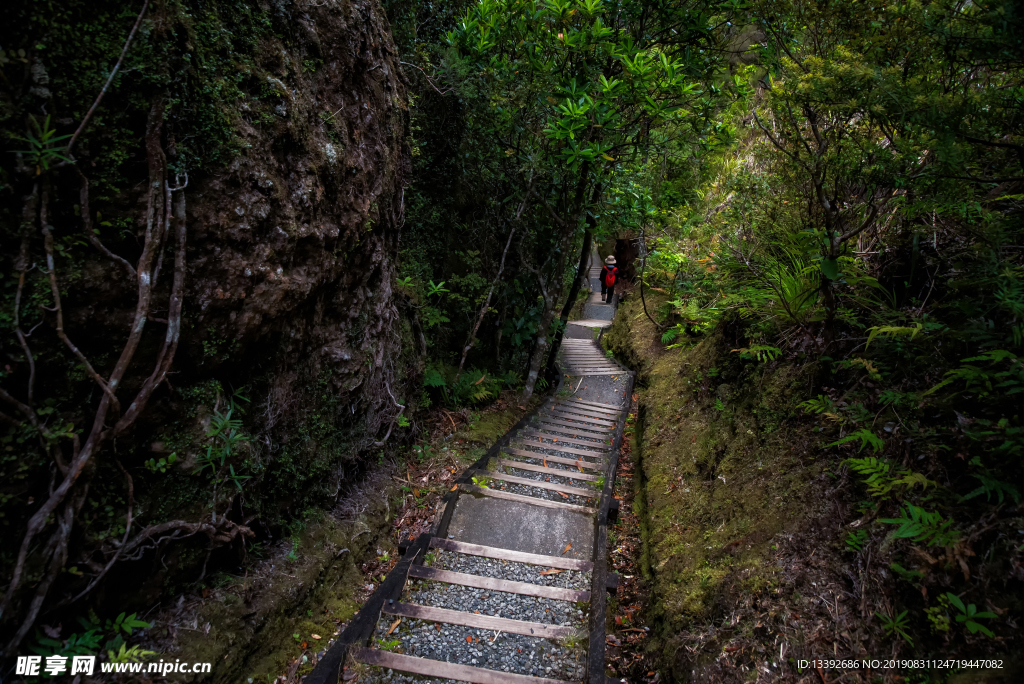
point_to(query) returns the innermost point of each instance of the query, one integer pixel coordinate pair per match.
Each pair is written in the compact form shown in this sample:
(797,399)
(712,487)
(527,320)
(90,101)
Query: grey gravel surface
(555,659)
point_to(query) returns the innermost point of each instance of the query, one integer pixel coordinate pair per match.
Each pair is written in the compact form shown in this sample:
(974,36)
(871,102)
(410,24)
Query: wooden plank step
(568,474)
(583,374)
(573,432)
(523,498)
(539,484)
(602,419)
(476,621)
(495,584)
(441,669)
(555,439)
(576,369)
(598,455)
(510,555)
(589,465)
(594,403)
(593,411)
(579,426)
(591,323)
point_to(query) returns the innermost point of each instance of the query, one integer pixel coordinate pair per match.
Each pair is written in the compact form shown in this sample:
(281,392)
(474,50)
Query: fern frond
(892,331)
(923,527)
(865,436)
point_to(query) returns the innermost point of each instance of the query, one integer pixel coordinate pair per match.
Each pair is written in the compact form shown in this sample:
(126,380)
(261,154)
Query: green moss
(718,477)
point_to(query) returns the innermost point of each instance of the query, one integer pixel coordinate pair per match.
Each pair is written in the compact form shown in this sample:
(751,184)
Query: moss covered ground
(740,515)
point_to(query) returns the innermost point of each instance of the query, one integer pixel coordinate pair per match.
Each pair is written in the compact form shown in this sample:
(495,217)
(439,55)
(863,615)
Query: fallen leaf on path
(551,571)
(316,636)
(303,645)
(469,640)
(567,547)
(393,626)
(453,488)
(564,496)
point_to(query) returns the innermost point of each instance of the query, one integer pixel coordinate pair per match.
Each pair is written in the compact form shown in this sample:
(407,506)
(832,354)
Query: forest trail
(510,587)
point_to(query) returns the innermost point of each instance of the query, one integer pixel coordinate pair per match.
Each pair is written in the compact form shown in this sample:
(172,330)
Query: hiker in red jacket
(608,274)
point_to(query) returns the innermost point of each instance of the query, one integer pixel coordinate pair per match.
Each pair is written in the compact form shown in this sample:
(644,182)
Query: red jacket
(605,271)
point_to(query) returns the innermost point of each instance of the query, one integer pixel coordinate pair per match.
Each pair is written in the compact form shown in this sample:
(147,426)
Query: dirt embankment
(742,515)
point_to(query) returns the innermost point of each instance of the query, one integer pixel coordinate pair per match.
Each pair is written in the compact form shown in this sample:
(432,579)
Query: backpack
(609,277)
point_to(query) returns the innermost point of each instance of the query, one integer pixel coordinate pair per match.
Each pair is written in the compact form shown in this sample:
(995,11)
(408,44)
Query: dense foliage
(869,222)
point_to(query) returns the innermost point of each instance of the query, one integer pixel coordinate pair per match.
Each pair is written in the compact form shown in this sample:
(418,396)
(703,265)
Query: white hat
(610,259)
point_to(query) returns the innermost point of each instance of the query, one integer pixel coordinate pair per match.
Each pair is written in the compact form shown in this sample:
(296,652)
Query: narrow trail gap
(508,588)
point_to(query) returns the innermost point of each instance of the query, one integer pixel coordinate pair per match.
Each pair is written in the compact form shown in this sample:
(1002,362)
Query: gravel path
(484,648)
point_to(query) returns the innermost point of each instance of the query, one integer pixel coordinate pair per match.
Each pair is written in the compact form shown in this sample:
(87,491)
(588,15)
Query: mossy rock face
(290,122)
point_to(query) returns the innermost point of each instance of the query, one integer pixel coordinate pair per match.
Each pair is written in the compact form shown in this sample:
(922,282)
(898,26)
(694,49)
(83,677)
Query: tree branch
(110,79)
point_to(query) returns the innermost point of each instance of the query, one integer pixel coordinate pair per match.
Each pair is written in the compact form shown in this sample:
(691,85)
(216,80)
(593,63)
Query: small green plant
(438,288)
(856,539)
(575,639)
(429,558)
(44,146)
(388,645)
(225,432)
(422,452)
(923,527)
(293,554)
(129,655)
(938,615)
(761,352)
(911,576)
(719,406)
(403,422)
(598,483)
(481,480)
(161,466)
(968,615)
(865,436)
(896,625)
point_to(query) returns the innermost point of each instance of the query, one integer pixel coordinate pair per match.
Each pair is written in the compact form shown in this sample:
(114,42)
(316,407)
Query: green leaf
(830,268)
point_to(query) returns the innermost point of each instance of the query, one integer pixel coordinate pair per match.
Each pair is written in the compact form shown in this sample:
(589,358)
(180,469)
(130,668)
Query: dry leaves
(551,571)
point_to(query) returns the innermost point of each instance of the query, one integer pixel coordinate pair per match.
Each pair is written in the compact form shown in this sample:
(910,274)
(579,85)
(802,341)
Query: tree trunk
(540,351)
(581,273)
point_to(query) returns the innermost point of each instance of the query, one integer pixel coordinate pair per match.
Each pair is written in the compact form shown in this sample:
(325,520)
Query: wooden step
(597,455)
(510,555)
(591,411)
(571,369)
(589,465)
(595,404)
(539,484)
(589,373)
(574,414)
(442,670)
(599,446)
(580,426)
(523,498)
(476,621)
(494,584)
(572,432)
(569,474)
